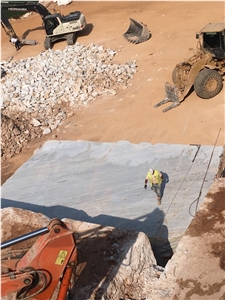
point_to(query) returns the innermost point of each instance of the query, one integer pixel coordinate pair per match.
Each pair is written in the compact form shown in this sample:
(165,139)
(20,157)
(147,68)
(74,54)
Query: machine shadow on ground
(26,33)
(155,219)
(86,31)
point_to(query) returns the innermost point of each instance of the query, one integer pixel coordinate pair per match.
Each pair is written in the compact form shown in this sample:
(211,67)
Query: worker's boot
(159,200)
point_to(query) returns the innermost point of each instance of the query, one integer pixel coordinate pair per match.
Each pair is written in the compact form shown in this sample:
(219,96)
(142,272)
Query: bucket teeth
(171,96)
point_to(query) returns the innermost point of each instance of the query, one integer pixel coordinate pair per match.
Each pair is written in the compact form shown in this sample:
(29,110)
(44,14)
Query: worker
(155,179)
(14,40)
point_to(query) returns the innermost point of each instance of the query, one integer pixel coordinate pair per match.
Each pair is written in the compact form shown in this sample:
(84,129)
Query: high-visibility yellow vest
(156,176)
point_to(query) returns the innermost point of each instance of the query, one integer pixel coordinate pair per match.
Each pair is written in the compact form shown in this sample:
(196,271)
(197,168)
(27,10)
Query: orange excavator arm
(47,263)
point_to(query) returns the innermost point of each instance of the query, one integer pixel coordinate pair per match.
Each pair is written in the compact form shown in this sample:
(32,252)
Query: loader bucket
(171,96)
(137,32)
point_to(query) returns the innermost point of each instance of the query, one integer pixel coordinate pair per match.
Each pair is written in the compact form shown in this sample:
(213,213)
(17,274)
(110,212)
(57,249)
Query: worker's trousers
(157,189)
(17,45)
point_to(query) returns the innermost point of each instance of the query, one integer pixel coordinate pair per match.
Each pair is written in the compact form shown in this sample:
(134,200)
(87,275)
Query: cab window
(50,25)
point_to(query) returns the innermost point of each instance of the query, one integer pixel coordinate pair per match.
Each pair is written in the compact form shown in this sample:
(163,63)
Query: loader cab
(214,43)
(213,39)
(51,22)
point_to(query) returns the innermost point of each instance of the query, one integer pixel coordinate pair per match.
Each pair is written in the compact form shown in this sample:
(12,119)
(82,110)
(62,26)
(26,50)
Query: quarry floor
(130,115)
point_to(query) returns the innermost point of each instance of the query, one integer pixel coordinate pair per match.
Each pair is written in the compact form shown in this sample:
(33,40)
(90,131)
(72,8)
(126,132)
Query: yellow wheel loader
(203,71)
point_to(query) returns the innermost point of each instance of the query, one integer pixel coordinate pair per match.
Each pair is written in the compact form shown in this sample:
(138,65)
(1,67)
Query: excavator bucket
(137,32)
(10,31)
(28,42)
(171,96)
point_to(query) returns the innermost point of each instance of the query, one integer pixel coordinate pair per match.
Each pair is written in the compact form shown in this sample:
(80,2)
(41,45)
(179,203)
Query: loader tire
(175,72)
(174,75)
(71,37)
(208,84)
(48,43)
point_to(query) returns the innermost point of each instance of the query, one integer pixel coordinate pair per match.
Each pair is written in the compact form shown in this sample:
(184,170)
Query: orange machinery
(36,273)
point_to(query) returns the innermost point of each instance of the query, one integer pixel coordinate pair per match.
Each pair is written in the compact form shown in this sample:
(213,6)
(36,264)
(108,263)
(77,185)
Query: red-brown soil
(130,115)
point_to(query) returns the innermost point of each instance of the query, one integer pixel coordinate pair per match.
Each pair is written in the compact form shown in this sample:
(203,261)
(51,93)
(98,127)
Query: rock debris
(39,93)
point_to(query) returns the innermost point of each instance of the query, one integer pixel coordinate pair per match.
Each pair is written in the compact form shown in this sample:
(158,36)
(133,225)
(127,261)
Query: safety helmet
(151,171)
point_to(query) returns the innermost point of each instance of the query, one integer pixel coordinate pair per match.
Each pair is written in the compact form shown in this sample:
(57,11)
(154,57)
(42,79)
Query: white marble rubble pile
(38,93)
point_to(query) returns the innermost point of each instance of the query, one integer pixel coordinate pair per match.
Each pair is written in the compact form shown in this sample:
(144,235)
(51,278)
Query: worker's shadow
(164,182)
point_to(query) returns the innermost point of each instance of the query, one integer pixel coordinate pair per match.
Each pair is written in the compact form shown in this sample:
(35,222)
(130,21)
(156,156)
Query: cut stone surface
(103,183)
